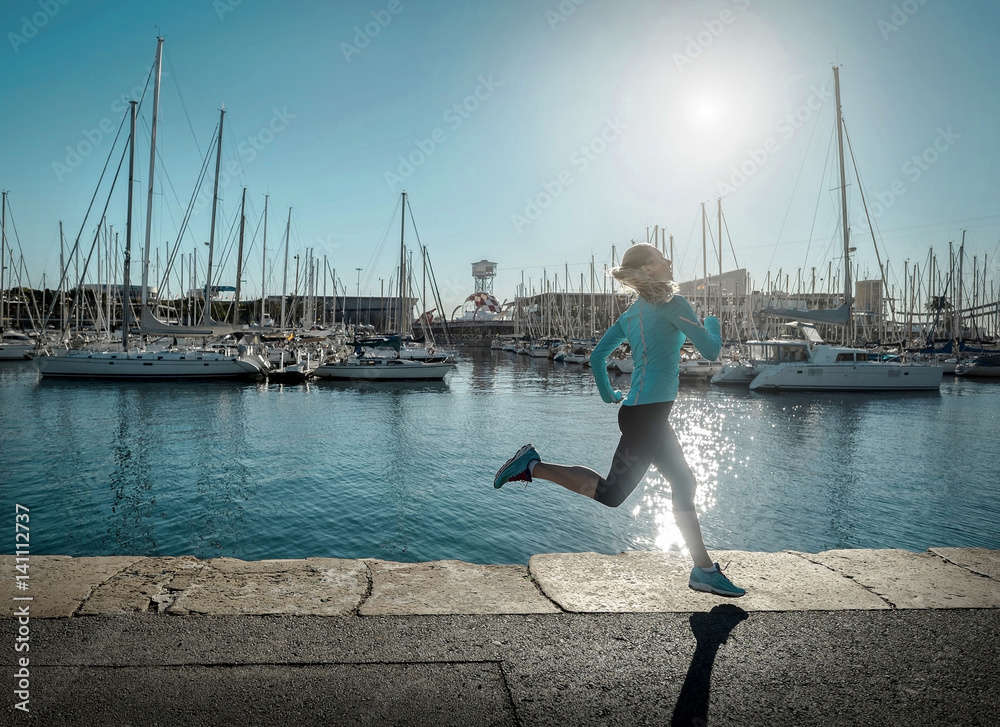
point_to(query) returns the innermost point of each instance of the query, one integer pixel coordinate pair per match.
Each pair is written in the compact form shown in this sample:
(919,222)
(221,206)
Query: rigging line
(97,189)
(162,173)
(710,235)
(250,246)
(111,152)
(173,75)
(234,154)
(864,202)
(694,227)
(10,214)
(819,196)
(725,224)
(190,207)
(229,242)
(86,264)
(377,254)
(993,256)
(797,178)
(76,243)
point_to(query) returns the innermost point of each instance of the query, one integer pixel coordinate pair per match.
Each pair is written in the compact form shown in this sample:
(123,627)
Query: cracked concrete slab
(978,560)
(634,581)
(637,582)
(139,587)
(58,584)
(451,587)
(310,587)
(913,580)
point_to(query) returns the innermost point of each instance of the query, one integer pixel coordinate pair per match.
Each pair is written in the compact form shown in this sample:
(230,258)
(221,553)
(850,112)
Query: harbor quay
(841,637)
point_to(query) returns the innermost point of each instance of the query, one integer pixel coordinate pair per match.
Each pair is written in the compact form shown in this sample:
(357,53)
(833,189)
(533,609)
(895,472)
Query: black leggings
(647,438)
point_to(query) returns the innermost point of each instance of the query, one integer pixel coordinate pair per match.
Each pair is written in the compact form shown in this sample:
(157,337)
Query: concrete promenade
(844,637)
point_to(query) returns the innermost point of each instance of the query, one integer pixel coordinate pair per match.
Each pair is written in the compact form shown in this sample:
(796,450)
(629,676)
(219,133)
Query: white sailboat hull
(736,373)
(858,376)
(699,368)
(621,365)
(16,351)
(15,346)
(379,369)
(149,365)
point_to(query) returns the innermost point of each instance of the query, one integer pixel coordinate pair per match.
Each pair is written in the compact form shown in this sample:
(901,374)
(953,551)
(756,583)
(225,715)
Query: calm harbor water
(404,471)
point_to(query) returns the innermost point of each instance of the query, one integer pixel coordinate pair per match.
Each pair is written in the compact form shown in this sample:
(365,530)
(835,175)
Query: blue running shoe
(516,468)
(714,582)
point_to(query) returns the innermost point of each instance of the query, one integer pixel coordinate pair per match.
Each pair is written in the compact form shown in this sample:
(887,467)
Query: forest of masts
(954,301)
(933,301)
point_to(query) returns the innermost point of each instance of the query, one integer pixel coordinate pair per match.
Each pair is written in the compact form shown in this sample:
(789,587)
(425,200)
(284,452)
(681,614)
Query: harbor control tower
(483,273)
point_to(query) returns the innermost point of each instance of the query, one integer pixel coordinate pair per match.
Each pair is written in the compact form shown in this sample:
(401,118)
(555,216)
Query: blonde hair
(631,275)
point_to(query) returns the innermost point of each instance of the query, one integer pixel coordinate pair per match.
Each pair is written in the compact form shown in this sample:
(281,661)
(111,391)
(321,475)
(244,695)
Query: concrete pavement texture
(845,637)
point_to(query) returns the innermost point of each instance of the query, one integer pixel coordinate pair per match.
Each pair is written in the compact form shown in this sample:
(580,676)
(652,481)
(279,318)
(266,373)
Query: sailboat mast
(843,199)
(126,287)
(239,258)
(957,324)
(719,312)
(284,277)
(207,316)
(704,260)
(402,265)
(263,266)
(152,163)
(3,252)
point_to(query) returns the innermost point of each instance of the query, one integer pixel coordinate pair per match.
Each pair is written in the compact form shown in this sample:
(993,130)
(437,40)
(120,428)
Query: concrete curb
(630,582)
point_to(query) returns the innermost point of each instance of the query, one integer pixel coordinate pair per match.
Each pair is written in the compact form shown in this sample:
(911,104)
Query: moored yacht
(378,368)
(755,355)
(984,366)
(15,346)
(817,367)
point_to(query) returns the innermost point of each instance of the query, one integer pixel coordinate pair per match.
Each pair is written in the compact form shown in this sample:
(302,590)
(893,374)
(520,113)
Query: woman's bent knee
(610,496)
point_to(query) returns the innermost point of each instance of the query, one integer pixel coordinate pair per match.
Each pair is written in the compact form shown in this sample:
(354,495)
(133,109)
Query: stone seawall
(630,582)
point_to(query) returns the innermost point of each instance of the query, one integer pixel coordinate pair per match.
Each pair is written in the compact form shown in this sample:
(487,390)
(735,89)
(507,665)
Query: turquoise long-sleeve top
(655,332)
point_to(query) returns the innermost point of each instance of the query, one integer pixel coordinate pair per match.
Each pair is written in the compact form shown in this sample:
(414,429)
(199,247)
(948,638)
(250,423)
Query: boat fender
(430,351)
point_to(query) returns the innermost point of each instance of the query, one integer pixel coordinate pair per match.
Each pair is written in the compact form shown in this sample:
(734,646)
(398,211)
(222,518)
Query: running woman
(655,326)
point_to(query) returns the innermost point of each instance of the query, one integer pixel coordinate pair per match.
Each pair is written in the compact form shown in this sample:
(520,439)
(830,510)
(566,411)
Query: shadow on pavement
(710,631)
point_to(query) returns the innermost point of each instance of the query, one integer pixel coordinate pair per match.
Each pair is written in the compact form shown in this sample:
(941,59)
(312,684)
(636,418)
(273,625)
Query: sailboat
(821,366)
(364,366)
(14,345)
(228,361)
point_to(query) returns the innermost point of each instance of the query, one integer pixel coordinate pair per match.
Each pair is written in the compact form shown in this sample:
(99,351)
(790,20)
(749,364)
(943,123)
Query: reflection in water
(173,457)
(408,500)
(404,470)
(225,483)
(130,524)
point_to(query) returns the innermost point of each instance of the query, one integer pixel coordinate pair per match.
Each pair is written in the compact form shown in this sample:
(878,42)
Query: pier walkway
(843,637)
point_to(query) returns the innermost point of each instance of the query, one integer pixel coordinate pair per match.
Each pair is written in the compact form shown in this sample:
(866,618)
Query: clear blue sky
(538,133)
